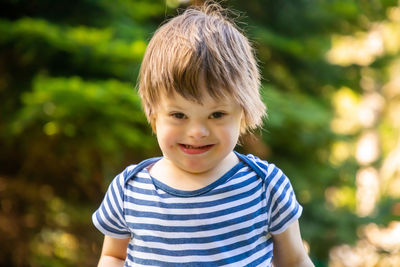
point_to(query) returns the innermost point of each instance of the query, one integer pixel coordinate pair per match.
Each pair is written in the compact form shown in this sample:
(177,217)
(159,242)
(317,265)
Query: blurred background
(70,119)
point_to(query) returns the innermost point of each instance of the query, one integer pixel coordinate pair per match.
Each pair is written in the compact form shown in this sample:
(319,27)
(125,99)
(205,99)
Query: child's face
(197,138)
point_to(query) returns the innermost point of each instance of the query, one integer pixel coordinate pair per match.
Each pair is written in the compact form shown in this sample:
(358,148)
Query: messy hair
(201,43)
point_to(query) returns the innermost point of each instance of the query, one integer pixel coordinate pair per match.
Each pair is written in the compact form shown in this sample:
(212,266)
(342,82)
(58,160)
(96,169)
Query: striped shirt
(228,222)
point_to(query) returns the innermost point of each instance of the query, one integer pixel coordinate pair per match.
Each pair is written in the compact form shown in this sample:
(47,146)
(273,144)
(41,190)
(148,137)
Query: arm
(113,252)
(289,249)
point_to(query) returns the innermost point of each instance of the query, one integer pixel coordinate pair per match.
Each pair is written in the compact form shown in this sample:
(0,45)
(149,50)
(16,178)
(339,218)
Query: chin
(196,169)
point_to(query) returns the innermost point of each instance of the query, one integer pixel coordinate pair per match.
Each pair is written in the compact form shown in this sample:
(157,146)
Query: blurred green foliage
(71,119)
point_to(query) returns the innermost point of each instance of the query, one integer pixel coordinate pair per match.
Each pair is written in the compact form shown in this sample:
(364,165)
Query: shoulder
(132,170)
(281,200)
(267,169)
(129,172)
(273,177)
(124,176)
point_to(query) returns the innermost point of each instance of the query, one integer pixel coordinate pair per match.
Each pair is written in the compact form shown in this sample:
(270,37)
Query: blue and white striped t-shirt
(228,222)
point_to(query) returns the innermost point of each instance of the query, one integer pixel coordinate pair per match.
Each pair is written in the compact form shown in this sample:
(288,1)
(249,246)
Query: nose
(198,130)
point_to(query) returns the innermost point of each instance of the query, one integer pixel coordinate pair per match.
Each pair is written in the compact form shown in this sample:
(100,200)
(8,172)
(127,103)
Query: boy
(201,204)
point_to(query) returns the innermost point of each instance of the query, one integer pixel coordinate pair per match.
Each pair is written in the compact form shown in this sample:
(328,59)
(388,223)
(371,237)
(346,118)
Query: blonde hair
(201,43)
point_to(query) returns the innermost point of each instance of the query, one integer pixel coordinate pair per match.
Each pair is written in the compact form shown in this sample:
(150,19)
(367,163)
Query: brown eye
(178,115)
(217,115)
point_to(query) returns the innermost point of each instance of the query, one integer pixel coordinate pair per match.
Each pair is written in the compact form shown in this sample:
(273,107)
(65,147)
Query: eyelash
(178,115)
(214,115)
(220,115)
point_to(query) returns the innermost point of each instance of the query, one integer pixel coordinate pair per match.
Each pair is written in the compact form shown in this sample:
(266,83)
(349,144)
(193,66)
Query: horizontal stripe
(193,250)
(147,191)
(210,225)
(203,239)
(243,195)
(179,215)
(195,260)
(207,235)
(230,222)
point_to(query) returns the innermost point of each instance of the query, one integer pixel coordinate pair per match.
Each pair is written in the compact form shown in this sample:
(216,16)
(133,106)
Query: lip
(194,150)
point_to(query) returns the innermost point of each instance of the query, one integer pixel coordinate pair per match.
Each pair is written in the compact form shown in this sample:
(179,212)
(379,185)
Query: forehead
(207,101)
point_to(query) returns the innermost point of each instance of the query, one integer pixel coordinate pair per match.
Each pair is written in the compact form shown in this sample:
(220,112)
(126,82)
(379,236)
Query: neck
(168,173)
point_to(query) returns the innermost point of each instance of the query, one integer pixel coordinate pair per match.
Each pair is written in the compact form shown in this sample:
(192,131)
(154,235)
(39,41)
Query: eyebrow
(174,107)
(218,106)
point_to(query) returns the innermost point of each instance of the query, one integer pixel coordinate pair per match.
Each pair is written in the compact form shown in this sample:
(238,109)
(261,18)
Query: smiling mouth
(194,147)
(189,149)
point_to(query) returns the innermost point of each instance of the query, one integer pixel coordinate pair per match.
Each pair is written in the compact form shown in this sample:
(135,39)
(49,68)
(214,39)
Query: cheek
(166,136)
(230,133)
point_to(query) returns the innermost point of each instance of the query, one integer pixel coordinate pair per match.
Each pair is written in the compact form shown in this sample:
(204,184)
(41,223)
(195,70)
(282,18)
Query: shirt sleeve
(282,203)
(109,218)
